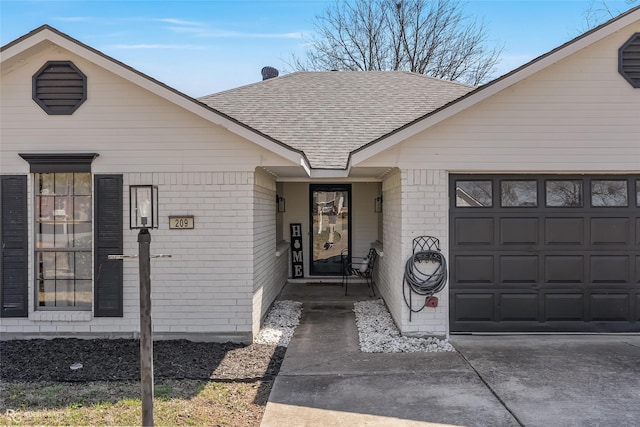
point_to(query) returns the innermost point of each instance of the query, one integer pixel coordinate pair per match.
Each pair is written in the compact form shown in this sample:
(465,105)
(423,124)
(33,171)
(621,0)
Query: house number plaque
(181,222)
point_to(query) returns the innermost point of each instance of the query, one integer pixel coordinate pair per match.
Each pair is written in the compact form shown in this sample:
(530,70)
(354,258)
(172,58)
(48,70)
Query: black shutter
(14,244)
(108,238)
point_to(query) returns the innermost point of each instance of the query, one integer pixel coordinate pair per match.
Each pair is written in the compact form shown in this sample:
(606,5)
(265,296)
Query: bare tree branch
(422,36)
(600,11)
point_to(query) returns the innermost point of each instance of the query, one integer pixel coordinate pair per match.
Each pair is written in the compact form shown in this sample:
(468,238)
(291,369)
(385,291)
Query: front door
(330,228)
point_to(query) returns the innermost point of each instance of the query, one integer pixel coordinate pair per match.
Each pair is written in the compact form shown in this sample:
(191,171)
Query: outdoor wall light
(377,204)
(143,205)
(280,206)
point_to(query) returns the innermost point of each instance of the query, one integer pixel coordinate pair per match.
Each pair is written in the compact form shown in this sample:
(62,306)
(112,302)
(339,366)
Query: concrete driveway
(534,380)
(560,380)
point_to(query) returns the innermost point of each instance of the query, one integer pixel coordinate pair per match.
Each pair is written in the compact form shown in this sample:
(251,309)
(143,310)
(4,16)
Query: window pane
(45,234)
(82,208)
(63,237)
(609,193)
(64,265)
(64,293)
(44,207)
(63,208)
(564,193)
(473,194)
(83,265)
(83,295)
(82,184)
(47,294)
(47,265)
(82,235)
(519,193)
(44,184)
(63,183)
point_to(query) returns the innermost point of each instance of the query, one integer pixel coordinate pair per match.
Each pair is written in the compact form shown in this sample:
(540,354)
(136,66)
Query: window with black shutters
(78,219)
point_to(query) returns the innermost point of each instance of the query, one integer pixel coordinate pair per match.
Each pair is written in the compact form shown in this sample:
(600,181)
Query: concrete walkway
(325,379)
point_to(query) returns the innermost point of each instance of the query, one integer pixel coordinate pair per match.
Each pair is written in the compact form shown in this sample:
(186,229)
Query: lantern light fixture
(143,205)
(280,203)
(377,204)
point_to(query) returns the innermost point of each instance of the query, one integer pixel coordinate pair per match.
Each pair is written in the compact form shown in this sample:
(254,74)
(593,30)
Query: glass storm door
(330,228)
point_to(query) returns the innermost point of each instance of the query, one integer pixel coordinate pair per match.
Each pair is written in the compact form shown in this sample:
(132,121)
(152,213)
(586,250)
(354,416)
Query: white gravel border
(378,333)
(280,323)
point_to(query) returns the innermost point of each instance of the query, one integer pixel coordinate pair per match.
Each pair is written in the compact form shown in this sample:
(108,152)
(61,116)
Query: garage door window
(474,194)
(564,193)
(609,193)
(518,193)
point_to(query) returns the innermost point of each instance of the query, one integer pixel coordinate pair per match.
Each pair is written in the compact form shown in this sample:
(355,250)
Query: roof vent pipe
(269,73)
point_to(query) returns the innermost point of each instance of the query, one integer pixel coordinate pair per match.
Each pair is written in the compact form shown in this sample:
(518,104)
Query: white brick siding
(425,213)
(415,204)
(269,271)
(206,288)
(389,271)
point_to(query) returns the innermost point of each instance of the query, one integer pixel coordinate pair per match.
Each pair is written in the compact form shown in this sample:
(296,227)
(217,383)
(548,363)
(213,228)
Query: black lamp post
(144,211)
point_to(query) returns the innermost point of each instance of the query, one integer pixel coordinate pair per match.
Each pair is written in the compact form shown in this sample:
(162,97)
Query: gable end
(629,60)
(59,87)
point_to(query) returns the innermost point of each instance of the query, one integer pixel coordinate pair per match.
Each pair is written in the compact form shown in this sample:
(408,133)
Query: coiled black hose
(421,282)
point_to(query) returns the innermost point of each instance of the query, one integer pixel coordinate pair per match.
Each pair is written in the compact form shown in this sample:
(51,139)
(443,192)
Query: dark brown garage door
(545,253)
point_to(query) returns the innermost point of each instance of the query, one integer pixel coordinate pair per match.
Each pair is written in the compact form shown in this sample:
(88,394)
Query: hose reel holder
(425,273)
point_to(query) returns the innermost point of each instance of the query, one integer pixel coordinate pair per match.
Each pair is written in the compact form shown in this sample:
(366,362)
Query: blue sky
(205,46)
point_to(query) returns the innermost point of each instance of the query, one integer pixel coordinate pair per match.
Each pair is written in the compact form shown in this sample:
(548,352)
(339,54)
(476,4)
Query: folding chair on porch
(362,270)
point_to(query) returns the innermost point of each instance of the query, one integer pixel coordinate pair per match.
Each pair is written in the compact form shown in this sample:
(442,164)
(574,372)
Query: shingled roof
(327,115)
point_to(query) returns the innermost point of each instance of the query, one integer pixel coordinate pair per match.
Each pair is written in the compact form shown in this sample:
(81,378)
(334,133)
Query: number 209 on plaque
(181,222)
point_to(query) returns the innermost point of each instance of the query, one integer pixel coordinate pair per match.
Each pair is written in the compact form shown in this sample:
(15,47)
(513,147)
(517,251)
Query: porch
(328,291)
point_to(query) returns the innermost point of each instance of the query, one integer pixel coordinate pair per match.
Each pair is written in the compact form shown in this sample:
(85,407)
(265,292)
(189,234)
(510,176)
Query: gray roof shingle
(329,114)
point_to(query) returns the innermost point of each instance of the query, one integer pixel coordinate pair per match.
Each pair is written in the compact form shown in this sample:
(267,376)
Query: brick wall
(270,272)
(425,213)
(205,291)
(415,204)
(389,271)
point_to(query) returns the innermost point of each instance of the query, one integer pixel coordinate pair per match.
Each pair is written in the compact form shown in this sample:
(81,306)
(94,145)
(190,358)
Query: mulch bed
(119,360)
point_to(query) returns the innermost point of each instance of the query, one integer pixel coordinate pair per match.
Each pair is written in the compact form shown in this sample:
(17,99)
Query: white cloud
(203,32)
(200,29)
(74,18)
(157,46)
(179,22)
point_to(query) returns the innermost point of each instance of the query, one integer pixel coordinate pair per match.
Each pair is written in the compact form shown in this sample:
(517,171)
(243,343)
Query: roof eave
(501,83)
(46,33)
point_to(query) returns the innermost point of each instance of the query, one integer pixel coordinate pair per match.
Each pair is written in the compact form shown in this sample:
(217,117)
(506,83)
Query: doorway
(330,228)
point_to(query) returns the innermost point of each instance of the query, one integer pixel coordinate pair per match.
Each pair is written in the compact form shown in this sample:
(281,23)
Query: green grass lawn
(177,402)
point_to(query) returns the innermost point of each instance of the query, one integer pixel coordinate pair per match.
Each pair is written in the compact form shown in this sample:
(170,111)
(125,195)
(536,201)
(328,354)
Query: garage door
(544,253)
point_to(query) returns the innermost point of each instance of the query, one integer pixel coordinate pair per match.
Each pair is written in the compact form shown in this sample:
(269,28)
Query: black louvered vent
(59,87)
(629,60)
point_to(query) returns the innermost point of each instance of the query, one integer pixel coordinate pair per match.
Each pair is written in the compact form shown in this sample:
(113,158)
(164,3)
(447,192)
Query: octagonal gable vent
(59,87)
(629,60)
